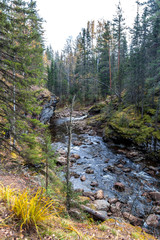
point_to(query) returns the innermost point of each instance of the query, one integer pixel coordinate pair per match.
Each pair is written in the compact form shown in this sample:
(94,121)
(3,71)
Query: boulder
(94,184)
(77,143)
(76,175)
(113,209)
(120,166)
(126,170)
(61,161)
(107,160)
(112,200)
(152,220)
(90,171)
(132,154)
(119,186)
(99,194)
(155,196)
(101,205)
(133,220)
(83,178)
(111,169)
(89,194)
(76,156)
(156,210)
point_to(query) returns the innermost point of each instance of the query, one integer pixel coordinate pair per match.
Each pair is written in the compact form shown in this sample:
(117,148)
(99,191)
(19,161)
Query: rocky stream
(119,184)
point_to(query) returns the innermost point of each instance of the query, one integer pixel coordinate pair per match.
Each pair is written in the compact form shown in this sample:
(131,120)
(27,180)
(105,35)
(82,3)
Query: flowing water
(108,168)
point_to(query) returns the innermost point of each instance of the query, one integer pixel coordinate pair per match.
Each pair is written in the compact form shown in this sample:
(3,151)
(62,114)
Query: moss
(97,108)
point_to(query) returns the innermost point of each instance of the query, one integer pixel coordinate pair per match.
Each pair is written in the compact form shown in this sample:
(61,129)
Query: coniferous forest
(111,75)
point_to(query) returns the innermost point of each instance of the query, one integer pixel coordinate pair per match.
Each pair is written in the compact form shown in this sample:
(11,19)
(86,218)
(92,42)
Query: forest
(112,71)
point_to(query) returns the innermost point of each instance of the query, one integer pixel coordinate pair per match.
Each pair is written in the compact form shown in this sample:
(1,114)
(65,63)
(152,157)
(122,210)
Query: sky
(64,18)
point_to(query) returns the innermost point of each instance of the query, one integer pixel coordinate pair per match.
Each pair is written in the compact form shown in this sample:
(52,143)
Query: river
(106,167)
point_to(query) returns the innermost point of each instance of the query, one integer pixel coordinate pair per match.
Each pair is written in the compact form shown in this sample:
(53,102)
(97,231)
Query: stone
(126,170)
(76,175)
(133,220)
(77,143)
(99,194)
(113,209)
(121,151)
(119,186)
(105,170)
(94,184)
(156,210)
(152,220)
(62,152)
(76,156)
(112,200)
(101,205)
(155,196)
(61,161)
(83,178)
(120,166)
(72,160)
(103,214)
(132,154)
(90,171)
(75,213)
(109,214)
(118,206)
(107,160)
(89,194)
(111,169)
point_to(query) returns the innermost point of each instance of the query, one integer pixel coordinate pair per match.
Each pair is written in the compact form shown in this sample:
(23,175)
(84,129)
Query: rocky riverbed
(118,181)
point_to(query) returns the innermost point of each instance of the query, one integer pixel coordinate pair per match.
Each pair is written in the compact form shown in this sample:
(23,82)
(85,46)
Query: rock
(77,143)
(120,166)
(113,209)
(94,184)
(122,161)
(132,154)
(126,170)
(119,186)
(152,220)
(133,220)
(89,194)
(122,151)
(103,214)
(156,210)
(61,152)
(83,178)
(112,200)
(48,110)
(118,206)
(61,161)
(111,168)
(90,171)
(75,213)
(79,190)
(155,196)
(105,170)
(99,194)
(109,214)
(76,175)
(107,160)
(101,205)
(72,160)
(76,156)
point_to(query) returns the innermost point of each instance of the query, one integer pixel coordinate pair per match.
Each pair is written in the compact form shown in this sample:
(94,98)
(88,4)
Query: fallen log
(95,214)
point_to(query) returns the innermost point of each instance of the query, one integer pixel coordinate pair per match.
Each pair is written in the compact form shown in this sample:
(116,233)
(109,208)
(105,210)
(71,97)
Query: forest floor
(13,175)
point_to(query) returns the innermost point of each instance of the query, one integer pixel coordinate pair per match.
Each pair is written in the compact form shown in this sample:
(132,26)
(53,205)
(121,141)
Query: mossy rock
(97,108)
